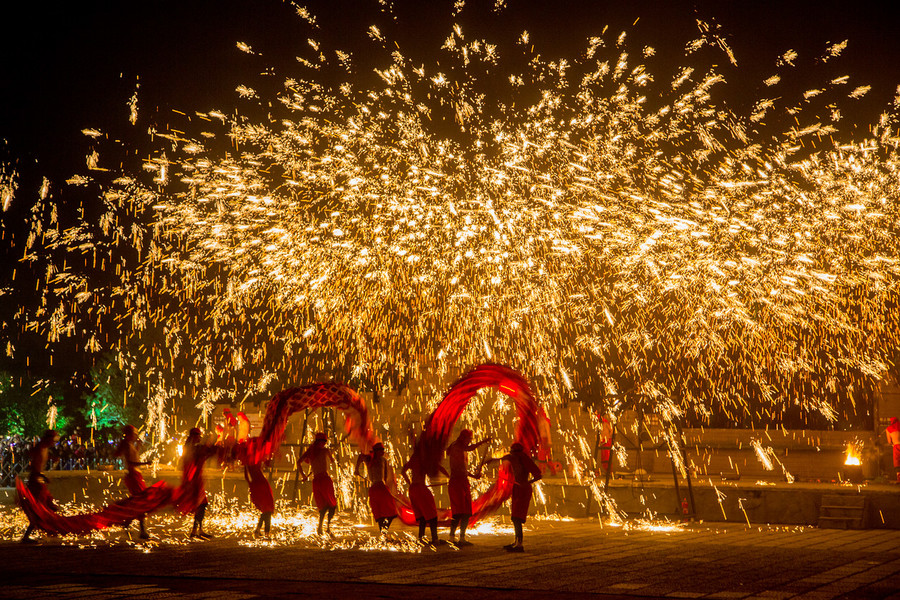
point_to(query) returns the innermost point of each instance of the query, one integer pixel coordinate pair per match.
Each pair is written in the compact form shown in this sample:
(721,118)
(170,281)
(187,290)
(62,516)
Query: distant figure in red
(243,427)
(37,481)
(231,426)
(134,480)
(261,496)
(384,508)
(318,457)
(460,490)
(421,497)
(192,495)
(229,437)
(522,467)
(893,438)
(604,442)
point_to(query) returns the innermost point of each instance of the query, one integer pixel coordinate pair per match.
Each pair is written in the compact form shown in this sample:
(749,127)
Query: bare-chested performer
(134,480)
(37,481)
(421,497)
(318,457)
(893,438)
(384,508)
(460,491)
(522,467)
(192,494)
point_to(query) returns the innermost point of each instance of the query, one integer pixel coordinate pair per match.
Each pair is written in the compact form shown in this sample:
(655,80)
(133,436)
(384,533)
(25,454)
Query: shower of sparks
(599,226)
(645,525)
(230,520)
(764,455)
(720,497)
(744,510)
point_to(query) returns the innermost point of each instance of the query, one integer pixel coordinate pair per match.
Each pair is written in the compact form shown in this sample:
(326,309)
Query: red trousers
(381,501)
(897,460)
(261,495)
(422,502)
(323,491)
(521,500)
(41,493)
(460,497)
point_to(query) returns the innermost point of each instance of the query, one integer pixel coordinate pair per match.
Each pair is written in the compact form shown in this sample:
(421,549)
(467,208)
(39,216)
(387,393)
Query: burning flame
(852,455)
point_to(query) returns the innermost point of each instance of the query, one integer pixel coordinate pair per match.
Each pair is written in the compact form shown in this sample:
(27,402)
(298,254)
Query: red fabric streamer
(404,509)
(37,504)
(134,481)
(532,431)
(188,496)
(118,514)
(316,395)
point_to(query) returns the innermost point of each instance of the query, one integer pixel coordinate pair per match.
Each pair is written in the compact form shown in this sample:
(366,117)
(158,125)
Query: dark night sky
(67,66)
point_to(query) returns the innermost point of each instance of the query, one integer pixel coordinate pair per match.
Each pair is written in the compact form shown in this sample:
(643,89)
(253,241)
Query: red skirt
(381,502)
(323,492)
(41,493)
(897,456)
(134,481)
(190,495)
(460,497)
(605,451)
(261,494)
(521,500)
(422,502)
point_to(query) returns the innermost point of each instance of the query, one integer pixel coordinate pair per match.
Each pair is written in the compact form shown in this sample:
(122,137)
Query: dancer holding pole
(420,496)
(37,481)
(134,479)
(459,488)
(319,456)
(192,494)
(522,467)
(261,496)
(382,503)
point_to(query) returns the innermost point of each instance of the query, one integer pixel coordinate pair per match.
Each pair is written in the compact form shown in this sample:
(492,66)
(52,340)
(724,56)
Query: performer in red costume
(243,427)
(192,495)
(521,466)
(261,496)
(382,503)
(421,497)
(231,426)
(37,481)
(318,457)
(893,438)
(134,480)
(460,491)
(604,443)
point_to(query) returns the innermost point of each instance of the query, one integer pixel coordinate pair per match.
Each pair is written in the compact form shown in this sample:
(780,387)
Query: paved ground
(573,559)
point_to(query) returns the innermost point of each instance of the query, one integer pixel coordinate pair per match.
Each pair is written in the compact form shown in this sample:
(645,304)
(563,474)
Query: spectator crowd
(72,453)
